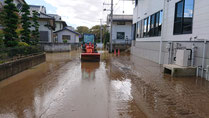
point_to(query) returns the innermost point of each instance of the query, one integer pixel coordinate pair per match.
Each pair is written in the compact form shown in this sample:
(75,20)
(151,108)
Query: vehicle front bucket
(90,57)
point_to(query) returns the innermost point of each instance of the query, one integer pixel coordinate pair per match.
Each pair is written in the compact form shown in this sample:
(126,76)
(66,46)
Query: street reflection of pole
(111,20)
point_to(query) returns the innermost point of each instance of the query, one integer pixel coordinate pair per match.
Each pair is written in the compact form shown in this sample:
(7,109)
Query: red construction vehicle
(89,51)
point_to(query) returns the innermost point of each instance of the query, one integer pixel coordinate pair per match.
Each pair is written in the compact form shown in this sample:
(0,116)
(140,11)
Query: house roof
(67,30)
(41,10)
(57,18)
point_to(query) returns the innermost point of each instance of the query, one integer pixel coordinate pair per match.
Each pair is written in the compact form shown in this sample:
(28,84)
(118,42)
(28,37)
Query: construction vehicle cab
(89,51)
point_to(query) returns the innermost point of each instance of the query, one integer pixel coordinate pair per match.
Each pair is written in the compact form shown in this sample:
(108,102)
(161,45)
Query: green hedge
(9,53)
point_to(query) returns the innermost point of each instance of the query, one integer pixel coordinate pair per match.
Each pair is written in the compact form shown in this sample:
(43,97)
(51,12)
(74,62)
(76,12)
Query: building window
(152,25)
(183,17)
(66,37)
(160,23)
(121,23)
(136,2)
(145,28)
(120,35)
(19,6)
(148,26)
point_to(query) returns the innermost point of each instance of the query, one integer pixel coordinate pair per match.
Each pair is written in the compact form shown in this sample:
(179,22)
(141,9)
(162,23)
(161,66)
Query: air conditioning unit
(182,57)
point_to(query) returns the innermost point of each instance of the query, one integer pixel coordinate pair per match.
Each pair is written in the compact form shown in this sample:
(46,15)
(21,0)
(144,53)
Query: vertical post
(111,20)
(203,58)
(101,28)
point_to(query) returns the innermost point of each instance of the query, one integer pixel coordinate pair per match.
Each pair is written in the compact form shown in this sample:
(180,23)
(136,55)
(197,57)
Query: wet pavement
(122,86)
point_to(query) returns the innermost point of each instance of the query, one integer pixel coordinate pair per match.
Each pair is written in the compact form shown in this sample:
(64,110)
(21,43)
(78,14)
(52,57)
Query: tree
(1,39)
(35,25)
(96,31)
(10,21)
(25,20)
(82,30)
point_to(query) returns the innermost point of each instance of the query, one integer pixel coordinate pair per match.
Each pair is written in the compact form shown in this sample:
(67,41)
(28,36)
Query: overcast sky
(83,12)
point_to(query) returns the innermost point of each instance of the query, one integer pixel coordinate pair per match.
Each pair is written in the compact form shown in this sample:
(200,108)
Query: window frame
(121,38)
(182,20)
(68,39)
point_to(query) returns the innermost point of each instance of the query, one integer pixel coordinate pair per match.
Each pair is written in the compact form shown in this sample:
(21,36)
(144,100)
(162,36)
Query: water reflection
(89,69)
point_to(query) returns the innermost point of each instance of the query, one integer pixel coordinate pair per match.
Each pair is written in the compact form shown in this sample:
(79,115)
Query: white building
(46,22)
(66,36)
(164,26)
(18,3)
(59,23)
(121,28)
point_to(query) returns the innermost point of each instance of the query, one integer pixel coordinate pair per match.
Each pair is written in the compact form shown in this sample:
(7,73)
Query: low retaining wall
(60,47)
(11,68)
(57,47)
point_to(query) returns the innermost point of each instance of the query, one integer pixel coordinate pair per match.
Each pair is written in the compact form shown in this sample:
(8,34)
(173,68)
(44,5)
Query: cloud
(81,12)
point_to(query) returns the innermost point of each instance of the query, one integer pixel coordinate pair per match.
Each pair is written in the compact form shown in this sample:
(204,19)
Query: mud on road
(122,86)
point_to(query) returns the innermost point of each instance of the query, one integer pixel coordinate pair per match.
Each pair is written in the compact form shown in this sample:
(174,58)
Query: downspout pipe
(207,72)
(203,58)
(193,55)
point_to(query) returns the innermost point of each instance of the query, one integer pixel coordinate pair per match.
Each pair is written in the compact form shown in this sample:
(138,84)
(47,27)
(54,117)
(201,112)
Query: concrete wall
(57,47)
(59,25)
(42,27)
(127,28)
(149,47)
(74,37)
(11,68)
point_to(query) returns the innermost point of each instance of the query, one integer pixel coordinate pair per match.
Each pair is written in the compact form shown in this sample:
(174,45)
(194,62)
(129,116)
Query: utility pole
(101,28)
(111,22)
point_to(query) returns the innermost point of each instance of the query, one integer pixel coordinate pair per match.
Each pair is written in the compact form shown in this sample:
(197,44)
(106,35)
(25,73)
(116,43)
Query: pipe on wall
(193,55)
(203,58)
(207,72)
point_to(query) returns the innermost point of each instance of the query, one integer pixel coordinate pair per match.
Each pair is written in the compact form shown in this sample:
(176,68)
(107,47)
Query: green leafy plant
(25,33)
(10,21)
(64,41)
(22,44)
(35,32)
(1,39)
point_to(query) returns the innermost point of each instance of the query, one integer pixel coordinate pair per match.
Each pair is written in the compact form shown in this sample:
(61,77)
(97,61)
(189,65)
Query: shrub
(64,41)
(1,39)
(22,44)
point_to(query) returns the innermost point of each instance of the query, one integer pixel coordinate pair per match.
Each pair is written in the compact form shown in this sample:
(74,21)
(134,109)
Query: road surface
(122,86)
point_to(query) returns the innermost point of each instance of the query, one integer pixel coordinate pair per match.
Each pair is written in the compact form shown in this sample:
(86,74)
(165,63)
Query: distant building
(18,3)
(59,23)
(67,35)
(46,22)
(162,27)
(122,28)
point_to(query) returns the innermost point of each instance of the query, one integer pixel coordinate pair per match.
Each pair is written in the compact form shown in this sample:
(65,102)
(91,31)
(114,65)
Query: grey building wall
(74,37)
(150,47)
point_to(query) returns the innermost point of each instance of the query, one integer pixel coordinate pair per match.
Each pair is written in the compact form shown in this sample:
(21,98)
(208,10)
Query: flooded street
(116,87)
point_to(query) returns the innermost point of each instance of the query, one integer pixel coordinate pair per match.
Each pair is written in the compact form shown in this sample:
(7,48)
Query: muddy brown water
(122,86)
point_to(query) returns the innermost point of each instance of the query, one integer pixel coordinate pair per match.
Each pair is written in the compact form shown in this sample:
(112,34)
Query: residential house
(121,28)
(67,35)
(59,23)
(162,27)
(18,3)
(46,22)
